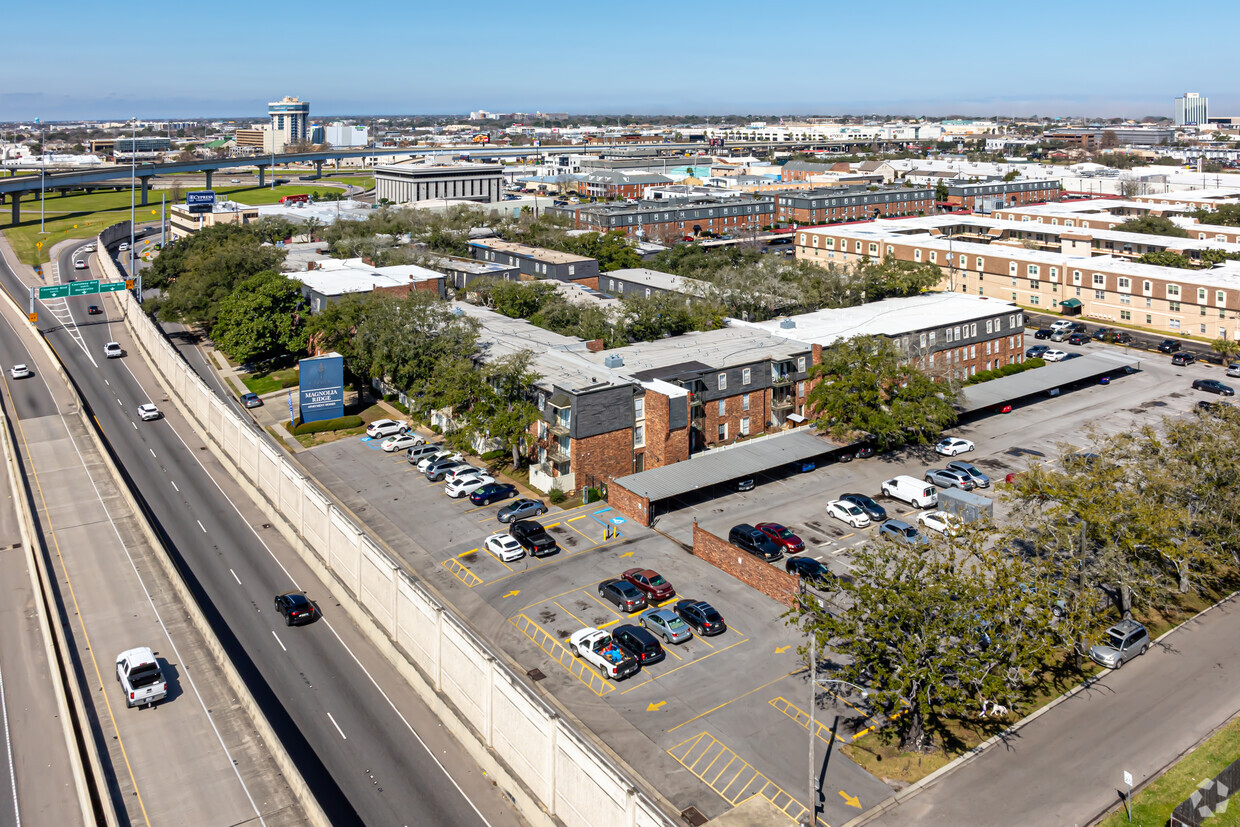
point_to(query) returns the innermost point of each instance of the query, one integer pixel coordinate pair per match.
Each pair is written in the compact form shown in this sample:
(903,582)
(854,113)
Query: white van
(915,492)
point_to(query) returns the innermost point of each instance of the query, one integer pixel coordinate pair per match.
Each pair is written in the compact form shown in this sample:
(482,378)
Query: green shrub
(493,455)
(339,424)
(1006,370)
(556,496)
(437,429)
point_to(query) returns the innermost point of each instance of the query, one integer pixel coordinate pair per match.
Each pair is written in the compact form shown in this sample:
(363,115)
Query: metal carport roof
(1038,380)
(726,464)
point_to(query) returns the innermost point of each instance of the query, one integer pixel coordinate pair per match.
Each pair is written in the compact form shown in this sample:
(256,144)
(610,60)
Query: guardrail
(536,753)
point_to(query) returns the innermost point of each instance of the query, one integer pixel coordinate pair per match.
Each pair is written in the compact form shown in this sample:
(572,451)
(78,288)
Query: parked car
(702,617)
(1061,335)
(533,538)
(847,512)
(520,509)
(598,648)
(947,478)
(1213,386)
(625,596)
(1054,356)
(385,427)
(744,485)
(416,453)
(1078,339)
(465,485)
(782,536)
(901,532)
(492,492)
(439,469)
(652,584)
(1100,334)
(941,521)
(1169,346)
(1120,337)
(140,676)
(952,446)
(872,509)
(1233,369)
(639,643)
(463,470)
(1183,358)
(1036,351)
(504,547)
(754,541)
(20,372)
(402,442)
(812,571)
(980,480)
(1042,333)
(666,624)
(1062,324)
(442,454)
(915,492)
(148,412)
(296,608)
(1121,643)
(113,350)
(857,452)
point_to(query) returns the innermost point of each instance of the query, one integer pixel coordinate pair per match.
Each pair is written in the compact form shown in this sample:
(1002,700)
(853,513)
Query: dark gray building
(536,262)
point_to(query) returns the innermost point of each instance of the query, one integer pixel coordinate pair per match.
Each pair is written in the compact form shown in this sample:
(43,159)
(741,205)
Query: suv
(1182,358)
(1123,642)
(113,350)
(812,571)
(638,642)
(754,541)
(1233,369)
(385,427)
(979,479)
(533,538)
(900,531)
(439,469)
(1168,345)
(702,617)
(949,478)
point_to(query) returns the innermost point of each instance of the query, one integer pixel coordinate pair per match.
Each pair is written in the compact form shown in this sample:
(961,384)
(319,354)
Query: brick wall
(629,504)
(591,282)
(769,579)
(733,412)
(663,447)
(602,457)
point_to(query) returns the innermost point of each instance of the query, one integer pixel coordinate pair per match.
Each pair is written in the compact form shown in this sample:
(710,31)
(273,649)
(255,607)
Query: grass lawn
(1153,805)
(363,181)
(261,383)
(368,415)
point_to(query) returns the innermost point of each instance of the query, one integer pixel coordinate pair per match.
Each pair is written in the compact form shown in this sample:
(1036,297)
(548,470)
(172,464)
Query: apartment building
(640,281)
(617,183)
(988,196)
(1105,214)
(823,206)
(673,218)
(536,262)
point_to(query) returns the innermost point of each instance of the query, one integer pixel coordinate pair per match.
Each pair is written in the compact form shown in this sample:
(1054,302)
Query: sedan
(1054,356)
(782,536)
(1036,351)
(401,442)
(521,509)
(444,456)
(1233,369)
(504,547)
(93,310)
(1168,345)
(113,350)
(945,478)
(702,617)
(462,486)
(251,400)
(872,508)
(667,625)
(901,532)
(625,596)
(1078,339)
(1100,334)
(79,265)
(20,372)
(951,446)
(812,571)
(148,412)
(1042,333)
(492,492)
(385,427)
(848,513)
(979,479)
(643,646)
(1213,386)
(651,583)
(296,608)
(941,521)
(1120,337)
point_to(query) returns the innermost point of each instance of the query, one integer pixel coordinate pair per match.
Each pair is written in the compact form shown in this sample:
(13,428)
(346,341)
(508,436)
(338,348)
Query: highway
(365,744)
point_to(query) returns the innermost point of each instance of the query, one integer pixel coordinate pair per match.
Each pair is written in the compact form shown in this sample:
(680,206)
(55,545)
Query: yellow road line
(737,698)
(607,624)
(560,654)
(605,605)
(821,730)
(461,573)
(702,752)
(574,519)
(467,553)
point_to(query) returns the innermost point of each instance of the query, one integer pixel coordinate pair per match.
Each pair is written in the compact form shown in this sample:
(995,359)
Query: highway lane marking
(238,579)
(8,748)
(174,486)
(200,525)
(134,424)
(285,648)
(152,450)
(333,720)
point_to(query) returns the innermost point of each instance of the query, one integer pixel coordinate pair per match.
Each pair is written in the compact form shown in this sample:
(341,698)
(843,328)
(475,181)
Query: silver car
(945,478)
(979,479)
(1122,642)
(666,624)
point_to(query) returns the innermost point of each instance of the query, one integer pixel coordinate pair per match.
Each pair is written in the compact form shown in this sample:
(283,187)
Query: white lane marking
(106,382)
(200,525)
(8,748)
(285,648)
(134,424)
(238,579)
(152,450)
(333,720)
(174,486)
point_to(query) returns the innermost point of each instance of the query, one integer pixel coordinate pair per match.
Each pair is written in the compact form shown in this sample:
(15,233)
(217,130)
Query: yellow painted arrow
(513,593)
(627,554)
(779,650)
(851,800)
(655,707)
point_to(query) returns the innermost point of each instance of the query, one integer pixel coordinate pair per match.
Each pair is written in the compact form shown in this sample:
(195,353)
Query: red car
(782,537)
(650,582)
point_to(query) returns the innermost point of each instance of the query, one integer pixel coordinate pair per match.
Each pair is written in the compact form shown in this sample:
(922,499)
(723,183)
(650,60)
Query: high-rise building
(1191,109)
(290,122)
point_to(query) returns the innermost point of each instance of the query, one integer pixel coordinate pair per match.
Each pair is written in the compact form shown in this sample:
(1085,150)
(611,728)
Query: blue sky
(981,58)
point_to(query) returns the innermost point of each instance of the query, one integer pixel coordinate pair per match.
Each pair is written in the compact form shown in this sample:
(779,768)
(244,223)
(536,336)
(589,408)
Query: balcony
(782,403)
(555,453)
(558,428)
(780,380)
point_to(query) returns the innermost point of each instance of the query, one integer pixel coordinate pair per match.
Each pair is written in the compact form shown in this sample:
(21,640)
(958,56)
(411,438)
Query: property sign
(321,388)
(200,201)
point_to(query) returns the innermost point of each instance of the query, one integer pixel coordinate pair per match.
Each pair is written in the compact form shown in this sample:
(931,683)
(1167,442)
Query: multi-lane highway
(369,749)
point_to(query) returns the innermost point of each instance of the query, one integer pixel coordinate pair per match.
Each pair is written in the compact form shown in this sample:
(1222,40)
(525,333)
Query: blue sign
(200,201)
(321,387)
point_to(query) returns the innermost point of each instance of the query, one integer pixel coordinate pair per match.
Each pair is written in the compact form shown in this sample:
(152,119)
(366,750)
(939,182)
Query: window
(1174,324)
(745,402)
(1147,287)
(744,426)
(723,381)
(934,257)
(723,432)
(990,323)
(800,388)
(1125,284)
(1201,295)
(1173,290)
(988,347)
(745,376)
(1012,268)
(917,255)
(572,268)
(1100,280)
(923,340)
(639,408)
(1076,276)
(1174,307)
(1149,319)
(801,364)
(1032,299)
(1220,298)
(723,410)
(1125,315)
(639,436)
(1100,295)
(1033,270)
(931,338)
(542,400)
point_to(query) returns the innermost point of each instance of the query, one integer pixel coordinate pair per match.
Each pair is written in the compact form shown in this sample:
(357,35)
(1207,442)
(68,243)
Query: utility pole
(42,179)
(133,182)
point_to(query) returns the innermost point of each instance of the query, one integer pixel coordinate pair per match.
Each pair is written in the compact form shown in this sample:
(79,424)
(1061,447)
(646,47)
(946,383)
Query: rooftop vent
(613,360)
(787,324)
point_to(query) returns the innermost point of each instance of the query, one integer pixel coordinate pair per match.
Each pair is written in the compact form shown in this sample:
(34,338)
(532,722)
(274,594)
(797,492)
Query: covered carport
(645,494)
(1051,380)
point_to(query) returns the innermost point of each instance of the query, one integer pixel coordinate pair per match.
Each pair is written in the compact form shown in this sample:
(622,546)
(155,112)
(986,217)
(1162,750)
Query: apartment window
(639,436)
(1032,299)
(639,408)
(988,348)
(923,340)
(931,338)
(1203,330)
(981,264)
(722,407)
(1033,270)
(1125,284)
(1174,324)
(1100,295)
(1149,302)
(947,334)
(1076,276)
(800,388)
(744,426)
(934,257)
(1125,299)
(722,432)
(815,241)
(874,250)
(572,268)
(744,402)
(1054,274)
(723,381)
(1099,280)
(1125,315)
(1173,290)
(542,400)
(1201,295)
(990,323)
(801,364)
(956,333)
(1147,287)
(1220,298)
(745,376)
(1174,307)
(1012,267)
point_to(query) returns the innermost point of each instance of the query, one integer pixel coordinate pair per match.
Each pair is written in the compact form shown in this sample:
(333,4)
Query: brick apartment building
(536,262)
(1105,214)
(615,183)
(673,218)
(824,206)
(988,196)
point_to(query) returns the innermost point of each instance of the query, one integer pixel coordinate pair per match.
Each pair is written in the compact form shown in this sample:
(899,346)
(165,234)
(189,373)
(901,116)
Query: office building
(290,122)
(184,223)
(1191,109)
(339,134)
(410,183)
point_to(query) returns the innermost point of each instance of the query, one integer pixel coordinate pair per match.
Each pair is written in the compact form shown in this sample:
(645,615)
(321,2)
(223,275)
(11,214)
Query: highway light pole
(133,182)
(813,703)
(42,179)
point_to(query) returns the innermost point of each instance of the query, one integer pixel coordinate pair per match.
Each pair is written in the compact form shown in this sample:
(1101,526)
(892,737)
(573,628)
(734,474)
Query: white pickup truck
(597,647)
(140,677)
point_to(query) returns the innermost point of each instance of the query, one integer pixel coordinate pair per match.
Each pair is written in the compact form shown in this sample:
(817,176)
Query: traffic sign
(34,317)
(56,291)
(84,288)
(111,286)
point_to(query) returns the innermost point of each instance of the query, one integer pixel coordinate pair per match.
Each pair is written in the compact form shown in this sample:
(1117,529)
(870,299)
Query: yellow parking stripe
(703,752)
(560,654)
(461,572)
(821,730)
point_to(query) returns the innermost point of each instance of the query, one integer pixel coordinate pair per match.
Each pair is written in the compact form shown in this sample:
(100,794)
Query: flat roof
(661,280)
(744,459)
(336,277)
(716,349)
(1039,380)
(540,253)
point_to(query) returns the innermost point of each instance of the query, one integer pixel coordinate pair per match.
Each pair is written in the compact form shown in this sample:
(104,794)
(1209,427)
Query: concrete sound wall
(551,770)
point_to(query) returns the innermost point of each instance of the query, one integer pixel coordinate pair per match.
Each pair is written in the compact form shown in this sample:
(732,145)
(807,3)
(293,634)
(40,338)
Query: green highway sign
(58,291)
(111,286)
(84,288)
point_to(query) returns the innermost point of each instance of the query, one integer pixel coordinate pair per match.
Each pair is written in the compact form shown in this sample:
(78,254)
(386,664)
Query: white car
(123,247)
(20,372)
(113,350)
(79,265)
(463,486)
(462,471)
(849,513)
(89,248)
(401,441)
(941,521)
(951,446)
(385,427)
(148,412)
(504,547)
(1054,356)
(426,461)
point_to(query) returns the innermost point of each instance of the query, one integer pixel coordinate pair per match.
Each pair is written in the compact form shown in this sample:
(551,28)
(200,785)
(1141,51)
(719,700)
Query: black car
(520,509)
(858,452)
(643,646)
(1120,337)
(1079,339)
(812,571)
(1036,351)
(1168,345)
(1213,386)
(626,596)
(492,492)
(1100,334)
(702,617)
(872,509)
(1183,358)
(296,608)
(93,310)
(1042,333)
(533,538)
(754,541)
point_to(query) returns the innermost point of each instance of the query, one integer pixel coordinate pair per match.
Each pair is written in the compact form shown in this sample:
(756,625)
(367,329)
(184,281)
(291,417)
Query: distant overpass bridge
(14,188)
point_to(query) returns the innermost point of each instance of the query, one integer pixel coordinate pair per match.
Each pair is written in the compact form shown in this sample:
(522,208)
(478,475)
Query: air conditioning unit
(613,360)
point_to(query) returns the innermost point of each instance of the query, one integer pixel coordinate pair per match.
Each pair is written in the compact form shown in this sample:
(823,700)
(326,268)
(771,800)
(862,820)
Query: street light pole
(133,182)
(813,703)
(42,180)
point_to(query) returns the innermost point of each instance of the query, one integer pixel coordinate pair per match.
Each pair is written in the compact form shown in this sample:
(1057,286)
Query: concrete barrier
(535,752)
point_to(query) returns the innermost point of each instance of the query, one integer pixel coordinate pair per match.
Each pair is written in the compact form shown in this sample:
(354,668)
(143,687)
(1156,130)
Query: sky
(824,57)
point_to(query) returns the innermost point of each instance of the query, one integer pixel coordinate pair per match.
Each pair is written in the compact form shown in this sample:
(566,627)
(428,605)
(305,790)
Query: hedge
(1006,370)
(496,454)
(339,424)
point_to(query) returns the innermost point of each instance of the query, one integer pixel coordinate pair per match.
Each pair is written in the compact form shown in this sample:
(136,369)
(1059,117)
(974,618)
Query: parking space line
(607,624)
(574,519)
(821,730)
(608,607)
(570,614)
(737,698)
(467,553)
(744,783)
(461,573)
(690,663)
(560,653)
(582,533)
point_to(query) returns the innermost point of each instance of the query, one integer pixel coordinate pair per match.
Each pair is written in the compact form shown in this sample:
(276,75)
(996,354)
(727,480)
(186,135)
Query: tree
(503,410)
(940,192)
(1152,225)
(1227,348)
(335,328)
(1011,175)
(865,389)
(1129,186)
(1223,215)
(1109,139)
(261,319)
